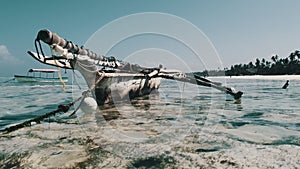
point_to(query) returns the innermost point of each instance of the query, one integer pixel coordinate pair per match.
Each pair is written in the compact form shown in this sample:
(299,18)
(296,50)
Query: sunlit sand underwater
(181,126)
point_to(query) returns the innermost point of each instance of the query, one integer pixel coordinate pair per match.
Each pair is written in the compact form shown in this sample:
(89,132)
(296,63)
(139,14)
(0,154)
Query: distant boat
(41,75)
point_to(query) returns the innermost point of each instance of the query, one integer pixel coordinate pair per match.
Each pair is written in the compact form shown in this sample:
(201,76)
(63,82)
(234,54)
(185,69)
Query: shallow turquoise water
(264,103)
(266,115)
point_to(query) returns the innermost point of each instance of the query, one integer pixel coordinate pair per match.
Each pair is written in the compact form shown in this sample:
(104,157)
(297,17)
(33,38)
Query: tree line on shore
(277,66)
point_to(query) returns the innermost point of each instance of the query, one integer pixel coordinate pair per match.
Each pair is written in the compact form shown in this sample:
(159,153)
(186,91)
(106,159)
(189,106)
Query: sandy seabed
(86,145)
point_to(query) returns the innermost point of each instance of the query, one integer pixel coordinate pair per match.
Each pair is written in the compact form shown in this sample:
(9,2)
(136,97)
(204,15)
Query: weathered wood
(202,82)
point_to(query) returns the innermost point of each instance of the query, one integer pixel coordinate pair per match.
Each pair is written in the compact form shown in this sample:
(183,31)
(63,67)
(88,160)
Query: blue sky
(240,30)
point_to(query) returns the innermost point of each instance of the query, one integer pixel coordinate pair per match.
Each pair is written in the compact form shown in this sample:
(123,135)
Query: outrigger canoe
(110,79)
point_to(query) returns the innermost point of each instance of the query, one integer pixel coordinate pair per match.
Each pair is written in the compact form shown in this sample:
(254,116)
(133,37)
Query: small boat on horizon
(41,76)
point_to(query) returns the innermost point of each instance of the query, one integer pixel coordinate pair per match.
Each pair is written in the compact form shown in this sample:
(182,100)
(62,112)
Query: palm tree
(274,58)
(297,53)
(268,64)
(288,65)
(292,56)
(263,63)
(257,63)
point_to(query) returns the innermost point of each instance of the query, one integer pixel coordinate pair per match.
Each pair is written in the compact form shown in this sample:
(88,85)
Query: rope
(37,50)
(75,79)
(61,108)
(9,80)
(59,73)
(85,93)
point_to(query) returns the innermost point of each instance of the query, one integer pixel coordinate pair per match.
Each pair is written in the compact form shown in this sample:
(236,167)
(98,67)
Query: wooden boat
(115,80)
(41,76)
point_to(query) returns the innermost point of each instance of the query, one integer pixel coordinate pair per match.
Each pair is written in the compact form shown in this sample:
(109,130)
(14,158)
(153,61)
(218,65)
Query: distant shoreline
(266,77)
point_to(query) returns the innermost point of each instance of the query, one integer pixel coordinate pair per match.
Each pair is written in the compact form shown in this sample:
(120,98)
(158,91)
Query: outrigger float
(116,80)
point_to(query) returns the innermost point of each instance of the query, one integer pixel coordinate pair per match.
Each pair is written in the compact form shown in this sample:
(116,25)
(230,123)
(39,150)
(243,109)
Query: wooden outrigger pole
(68,52)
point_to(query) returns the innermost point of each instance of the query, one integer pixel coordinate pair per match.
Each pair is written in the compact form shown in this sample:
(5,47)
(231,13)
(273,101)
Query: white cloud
(6,56)
(9,64)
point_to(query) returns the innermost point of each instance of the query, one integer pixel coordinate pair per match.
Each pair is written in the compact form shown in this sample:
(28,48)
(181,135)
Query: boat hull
(124,87)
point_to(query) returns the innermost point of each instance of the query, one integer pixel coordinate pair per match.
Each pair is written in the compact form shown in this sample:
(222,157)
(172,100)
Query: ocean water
(181,126)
